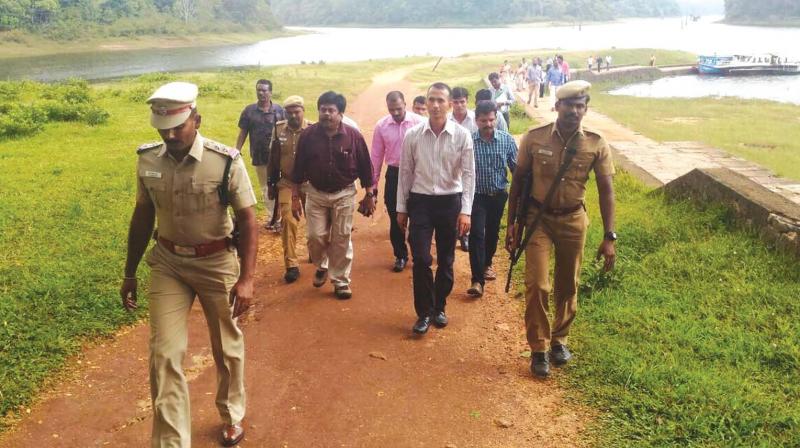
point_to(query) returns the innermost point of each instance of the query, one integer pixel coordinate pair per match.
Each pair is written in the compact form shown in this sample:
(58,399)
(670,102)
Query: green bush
(25,107)
(22,120)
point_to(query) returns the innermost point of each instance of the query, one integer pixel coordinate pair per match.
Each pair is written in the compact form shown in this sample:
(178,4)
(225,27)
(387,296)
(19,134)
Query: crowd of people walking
(446,178)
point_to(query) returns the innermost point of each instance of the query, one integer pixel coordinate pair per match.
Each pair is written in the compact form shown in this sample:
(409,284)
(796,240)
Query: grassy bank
(67,196)
(765,132)
(693,340)
(15,44)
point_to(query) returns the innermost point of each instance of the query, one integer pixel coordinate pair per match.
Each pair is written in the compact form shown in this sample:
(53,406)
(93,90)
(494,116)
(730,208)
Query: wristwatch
(611,236)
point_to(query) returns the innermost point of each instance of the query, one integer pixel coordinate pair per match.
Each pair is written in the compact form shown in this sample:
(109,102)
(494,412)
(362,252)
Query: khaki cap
(294,100)
(573,90)
(171,104)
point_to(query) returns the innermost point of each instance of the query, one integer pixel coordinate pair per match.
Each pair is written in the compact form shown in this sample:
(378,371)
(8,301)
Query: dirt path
(325,373)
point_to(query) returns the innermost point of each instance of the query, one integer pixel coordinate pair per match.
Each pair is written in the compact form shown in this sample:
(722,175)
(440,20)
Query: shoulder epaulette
(592,131)
(537,128)
(226,150)
(148,146)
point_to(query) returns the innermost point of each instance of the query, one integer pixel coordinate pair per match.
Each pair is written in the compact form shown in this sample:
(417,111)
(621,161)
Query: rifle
(520,249)
(224,199)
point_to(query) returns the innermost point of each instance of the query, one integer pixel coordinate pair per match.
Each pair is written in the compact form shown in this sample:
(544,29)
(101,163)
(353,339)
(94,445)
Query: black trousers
(396,234)
(432,217)
(487,212)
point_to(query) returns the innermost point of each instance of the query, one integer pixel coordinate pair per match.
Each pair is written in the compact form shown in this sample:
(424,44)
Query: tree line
(78,18)
(462,12)
(763,10)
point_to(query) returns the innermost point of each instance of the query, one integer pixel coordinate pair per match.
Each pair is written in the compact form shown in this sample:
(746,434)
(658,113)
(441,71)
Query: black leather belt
(562,211)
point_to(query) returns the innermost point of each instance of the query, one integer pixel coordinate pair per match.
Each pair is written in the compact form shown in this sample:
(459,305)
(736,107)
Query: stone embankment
(760,200)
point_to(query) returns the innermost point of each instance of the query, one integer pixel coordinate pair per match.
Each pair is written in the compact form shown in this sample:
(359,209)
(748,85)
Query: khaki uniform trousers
(329,220)
(263,178)
(568,235)
(289,230)
(174,283)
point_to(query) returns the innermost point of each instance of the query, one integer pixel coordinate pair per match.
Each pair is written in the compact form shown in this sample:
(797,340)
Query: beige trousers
(174,283)
(289,230)
(269,204)
(567,234)
(329,219)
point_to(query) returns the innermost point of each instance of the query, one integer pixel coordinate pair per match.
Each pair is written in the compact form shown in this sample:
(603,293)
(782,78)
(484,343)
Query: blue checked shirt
(491,160)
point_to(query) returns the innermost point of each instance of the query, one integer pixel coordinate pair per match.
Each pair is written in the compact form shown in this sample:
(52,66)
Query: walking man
(257,122)
(331,156)
(534,76)
(501,96)
(494,151)
(554,80)
(461,114)
(281,164)
(563,223)
(486,95)
(419,106)
(186,183)
(434,191)
(387,142)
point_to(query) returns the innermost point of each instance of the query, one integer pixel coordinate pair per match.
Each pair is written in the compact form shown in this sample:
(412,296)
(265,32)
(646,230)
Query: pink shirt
(565,70)
(387,141)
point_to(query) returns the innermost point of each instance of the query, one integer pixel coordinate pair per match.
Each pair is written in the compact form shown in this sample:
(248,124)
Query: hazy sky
(702,6)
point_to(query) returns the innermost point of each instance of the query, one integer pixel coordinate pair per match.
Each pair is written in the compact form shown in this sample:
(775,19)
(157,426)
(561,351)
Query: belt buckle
(185,251)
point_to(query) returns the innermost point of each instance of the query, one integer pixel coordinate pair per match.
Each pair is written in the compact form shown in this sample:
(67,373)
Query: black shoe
(399,264)
(440,319)
(464,240)
(343,292)
(540,364)
(422,325)
(560,354)
(320,277)
(476,290)
(291,275)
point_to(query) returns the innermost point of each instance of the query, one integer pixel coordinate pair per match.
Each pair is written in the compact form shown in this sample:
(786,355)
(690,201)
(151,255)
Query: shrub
(22,120)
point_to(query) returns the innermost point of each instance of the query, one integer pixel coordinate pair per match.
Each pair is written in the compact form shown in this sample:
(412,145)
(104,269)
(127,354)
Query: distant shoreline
(793,22)
(28,45)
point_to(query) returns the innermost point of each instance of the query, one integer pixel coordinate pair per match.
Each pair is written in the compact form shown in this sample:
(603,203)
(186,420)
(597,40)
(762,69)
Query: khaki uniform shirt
(185,195)
(282,151)
(542,150)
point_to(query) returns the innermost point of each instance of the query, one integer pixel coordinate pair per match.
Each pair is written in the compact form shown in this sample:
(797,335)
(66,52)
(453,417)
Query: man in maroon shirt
(331,156)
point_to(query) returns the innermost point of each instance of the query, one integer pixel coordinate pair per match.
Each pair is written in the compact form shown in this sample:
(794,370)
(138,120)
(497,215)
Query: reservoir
(357,44)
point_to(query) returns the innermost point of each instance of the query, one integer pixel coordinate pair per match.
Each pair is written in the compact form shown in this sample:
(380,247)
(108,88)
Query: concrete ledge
(626,164)
(776,218)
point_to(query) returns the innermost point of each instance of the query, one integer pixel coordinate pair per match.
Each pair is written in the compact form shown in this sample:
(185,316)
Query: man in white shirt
(501,96)
(461,113)
(435,190)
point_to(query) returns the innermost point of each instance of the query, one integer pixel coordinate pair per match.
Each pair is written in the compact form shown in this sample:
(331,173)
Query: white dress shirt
(468,122)
(437,166)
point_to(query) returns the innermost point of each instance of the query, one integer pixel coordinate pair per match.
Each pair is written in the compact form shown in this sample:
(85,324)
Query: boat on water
(743,65)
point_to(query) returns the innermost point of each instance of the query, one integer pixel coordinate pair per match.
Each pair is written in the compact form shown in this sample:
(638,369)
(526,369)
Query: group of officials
(445,178)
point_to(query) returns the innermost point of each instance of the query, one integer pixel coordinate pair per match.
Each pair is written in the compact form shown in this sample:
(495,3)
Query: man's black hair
(441,86)
(483,95)
(264,82)
(493,75)
(395,95)
(460,92)
(331,97)
(419,100)
(484,107)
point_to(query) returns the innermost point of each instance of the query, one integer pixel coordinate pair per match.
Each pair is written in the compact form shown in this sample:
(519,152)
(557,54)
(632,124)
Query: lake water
(354,44)
(785,89)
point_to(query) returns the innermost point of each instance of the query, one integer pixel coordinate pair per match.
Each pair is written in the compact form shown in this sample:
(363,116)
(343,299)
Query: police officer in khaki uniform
(280,166)
(179,186)
(564,220)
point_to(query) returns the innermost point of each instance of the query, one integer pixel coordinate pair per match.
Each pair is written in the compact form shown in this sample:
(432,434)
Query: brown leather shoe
(232,434)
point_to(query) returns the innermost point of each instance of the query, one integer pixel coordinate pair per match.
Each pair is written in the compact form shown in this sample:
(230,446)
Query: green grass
(693,340)
(765,132)
(67,196)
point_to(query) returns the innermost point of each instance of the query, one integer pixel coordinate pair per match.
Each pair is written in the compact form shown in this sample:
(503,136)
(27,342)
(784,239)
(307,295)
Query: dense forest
(66,19)
(749,11)
(462,12)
